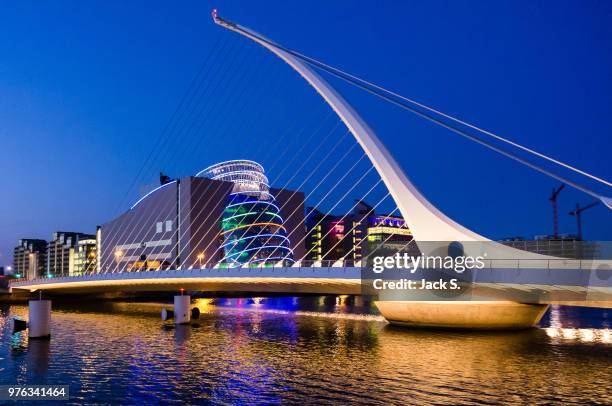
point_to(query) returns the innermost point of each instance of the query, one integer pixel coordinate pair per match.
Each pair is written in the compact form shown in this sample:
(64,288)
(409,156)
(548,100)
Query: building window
(158,227)
(168,225)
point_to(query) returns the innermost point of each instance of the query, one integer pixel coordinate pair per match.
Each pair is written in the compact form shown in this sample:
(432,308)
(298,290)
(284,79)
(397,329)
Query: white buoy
(39,324)
(182,313)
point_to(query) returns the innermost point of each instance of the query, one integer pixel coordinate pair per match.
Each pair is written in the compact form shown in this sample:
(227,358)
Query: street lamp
(201,257)
(118,255)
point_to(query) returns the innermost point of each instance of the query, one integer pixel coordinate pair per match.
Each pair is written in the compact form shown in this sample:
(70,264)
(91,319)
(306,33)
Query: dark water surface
(306,350)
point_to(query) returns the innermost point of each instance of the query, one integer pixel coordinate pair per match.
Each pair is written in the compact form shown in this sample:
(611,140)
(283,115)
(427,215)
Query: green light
(252,214)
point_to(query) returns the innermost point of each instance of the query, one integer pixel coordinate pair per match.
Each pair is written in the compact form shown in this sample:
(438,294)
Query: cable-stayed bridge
(426,222)
(334,278)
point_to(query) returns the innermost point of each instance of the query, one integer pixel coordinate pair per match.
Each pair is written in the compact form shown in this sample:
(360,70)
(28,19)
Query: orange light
(252,225)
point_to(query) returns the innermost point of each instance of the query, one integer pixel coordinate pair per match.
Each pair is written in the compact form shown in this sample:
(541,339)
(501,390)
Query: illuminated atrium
(253,230)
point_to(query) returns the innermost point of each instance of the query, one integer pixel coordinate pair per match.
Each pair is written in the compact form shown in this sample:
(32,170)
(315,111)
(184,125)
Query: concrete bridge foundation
(485,315)
(39,323)
(182,311)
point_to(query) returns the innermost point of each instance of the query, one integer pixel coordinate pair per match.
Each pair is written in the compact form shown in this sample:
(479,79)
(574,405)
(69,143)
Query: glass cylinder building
(252,227)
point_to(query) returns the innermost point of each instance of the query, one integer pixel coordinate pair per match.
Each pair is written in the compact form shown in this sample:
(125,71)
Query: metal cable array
(409,104)
(252,227)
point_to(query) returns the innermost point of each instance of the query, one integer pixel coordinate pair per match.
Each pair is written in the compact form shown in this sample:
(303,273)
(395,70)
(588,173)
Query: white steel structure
(424,219)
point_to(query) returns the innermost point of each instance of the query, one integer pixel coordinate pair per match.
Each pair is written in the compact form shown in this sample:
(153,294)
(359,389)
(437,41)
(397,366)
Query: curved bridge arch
(424,219)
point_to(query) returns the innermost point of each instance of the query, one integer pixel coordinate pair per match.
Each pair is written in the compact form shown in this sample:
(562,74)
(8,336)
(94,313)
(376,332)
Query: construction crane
(553,201)
(578,214)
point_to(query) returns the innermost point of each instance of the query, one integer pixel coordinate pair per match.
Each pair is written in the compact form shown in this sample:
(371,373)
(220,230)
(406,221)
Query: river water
(305,350)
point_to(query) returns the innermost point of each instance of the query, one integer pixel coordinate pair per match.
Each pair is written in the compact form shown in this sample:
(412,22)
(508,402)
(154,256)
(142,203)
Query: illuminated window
(168,225)
(159,227)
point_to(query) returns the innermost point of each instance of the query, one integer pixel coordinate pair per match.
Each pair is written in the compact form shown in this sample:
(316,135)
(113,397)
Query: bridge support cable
(306,160)
(324,198)
(186,99)
(211,112)
(606,200)
(179,227)
(346,173)
(235,98)
(338,203)
(199,113)
(403,104)
(192,251)
(217,205)
(182,250)
(279,159)
(354,226)
(388,95)
(329,172)
(311,156)
(180,125)
(342,218)
(347,77)
(391,213)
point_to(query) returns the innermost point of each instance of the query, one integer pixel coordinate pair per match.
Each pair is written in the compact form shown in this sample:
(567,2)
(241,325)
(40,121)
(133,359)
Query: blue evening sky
(86,89)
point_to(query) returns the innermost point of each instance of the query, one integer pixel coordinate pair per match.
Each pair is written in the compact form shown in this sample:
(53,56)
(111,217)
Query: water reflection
(38,356)
(586,335)
(310,350)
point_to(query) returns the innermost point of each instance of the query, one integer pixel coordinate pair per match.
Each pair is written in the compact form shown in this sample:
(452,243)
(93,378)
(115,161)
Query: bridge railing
(550,264)
(279,264)
(510,264)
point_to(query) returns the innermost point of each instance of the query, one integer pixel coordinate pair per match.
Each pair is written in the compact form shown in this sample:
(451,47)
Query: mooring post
(39,323)
(182,312)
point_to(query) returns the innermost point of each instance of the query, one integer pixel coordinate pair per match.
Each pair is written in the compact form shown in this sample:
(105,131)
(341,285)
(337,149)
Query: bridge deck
(532,285)
(278,280)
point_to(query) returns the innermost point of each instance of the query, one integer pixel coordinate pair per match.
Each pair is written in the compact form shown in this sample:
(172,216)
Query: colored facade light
(252,227)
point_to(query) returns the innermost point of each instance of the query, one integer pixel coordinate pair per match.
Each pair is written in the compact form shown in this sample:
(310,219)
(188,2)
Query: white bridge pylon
(424,219)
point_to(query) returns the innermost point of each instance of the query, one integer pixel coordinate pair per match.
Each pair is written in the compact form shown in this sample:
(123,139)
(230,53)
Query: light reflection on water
(307,350)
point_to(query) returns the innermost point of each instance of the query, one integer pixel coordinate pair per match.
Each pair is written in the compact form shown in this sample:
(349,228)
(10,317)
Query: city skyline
(346,202)
(98,147)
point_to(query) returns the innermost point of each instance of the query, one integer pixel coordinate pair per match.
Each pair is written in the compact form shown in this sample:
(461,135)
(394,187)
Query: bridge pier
(482,315)
(39,323)
(182,311)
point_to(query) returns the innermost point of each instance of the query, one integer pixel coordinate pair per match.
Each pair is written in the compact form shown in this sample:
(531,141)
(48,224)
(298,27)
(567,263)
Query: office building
(29,258)
(351,237)
(62,252)
(85,256)
(225,216)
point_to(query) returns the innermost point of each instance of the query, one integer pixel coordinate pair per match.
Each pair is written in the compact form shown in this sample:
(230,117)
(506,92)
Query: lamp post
(118,256)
